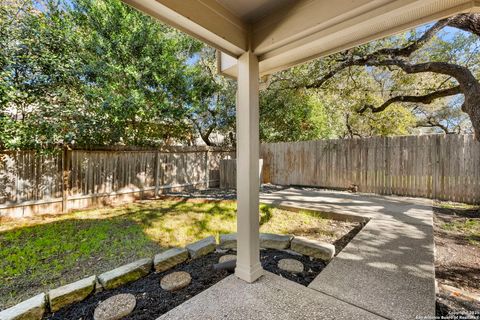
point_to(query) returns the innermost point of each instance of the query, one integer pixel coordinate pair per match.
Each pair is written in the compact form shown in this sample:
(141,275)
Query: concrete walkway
(386,271)
(388,268)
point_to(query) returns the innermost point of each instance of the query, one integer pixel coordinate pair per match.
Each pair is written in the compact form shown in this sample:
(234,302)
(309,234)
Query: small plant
(470,228)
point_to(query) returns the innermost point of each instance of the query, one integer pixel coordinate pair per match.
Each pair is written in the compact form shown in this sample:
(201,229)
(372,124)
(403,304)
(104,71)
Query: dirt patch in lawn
(457,258)
(153,301)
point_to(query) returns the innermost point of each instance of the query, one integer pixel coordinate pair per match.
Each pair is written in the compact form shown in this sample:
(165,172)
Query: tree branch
(425,99)
(431,123)
(469,22)
(468,85)
(466,22)
(415,45)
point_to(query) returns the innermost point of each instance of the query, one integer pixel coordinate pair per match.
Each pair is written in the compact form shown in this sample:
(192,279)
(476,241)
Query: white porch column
(248,182)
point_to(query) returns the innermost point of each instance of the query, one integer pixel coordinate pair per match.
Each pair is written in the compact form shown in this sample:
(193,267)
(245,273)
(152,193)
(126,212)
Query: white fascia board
(227,65)
(394,17)
(205,20)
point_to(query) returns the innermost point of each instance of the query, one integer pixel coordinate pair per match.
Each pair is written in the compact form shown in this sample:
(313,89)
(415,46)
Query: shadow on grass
(148,215)
(35,258)
(460,212)
(460,275)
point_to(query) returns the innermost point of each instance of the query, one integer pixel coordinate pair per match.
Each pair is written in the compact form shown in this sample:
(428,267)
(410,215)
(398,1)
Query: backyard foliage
(419,78)
(91,72)
(84,72)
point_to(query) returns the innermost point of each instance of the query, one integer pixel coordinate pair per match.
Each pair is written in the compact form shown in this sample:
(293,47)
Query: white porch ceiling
(283,33)
(253,10)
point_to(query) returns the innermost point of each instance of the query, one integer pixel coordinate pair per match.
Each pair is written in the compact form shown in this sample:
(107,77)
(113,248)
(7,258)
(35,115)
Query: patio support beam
(205,20)
(248,180)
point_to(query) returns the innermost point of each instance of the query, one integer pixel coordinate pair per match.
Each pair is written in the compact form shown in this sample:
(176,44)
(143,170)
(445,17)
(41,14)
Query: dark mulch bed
(152,301)
(270,258)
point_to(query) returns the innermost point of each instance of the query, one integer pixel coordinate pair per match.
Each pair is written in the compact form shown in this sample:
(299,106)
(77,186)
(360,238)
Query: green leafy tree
(299,113)
(97,72)
(136,75)
(417,68)
(211,107)
(39,84)
(88,72)
(290,115)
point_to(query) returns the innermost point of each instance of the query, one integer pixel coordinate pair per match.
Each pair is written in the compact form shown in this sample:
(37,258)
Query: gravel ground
(220,194)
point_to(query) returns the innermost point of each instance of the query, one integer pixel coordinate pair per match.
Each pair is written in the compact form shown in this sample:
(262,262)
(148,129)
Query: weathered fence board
(228,173)
(442,167)
(33,183)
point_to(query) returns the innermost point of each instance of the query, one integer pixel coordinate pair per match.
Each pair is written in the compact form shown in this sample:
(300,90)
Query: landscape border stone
(267,241)
(275,241)
(313,248)
(202,247)
(30,309)
(228,241)
(126,273)
(169,259)
(35,307)
(71,293)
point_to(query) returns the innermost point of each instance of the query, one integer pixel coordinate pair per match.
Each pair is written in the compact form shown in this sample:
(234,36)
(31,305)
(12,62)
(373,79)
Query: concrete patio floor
(386,271)
(270,297)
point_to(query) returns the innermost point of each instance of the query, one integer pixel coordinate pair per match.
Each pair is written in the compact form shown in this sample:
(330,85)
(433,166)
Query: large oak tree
(466,82)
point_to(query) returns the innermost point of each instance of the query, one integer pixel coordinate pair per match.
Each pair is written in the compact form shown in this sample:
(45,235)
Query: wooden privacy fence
(32,183)
(445,167)
(228,173)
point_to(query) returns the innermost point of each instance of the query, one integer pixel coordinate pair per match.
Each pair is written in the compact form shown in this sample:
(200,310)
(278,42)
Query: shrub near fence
(445,167)
(35,183)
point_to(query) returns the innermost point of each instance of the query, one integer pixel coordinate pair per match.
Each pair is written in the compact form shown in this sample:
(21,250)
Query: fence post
(435,170)
(65,178)
(207,172)
(16,161)
(156,172)
(388,180)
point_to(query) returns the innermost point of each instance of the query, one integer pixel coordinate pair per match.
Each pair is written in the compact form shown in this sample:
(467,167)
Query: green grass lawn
(48,251)
(460,219)
(456,205)
(469,228)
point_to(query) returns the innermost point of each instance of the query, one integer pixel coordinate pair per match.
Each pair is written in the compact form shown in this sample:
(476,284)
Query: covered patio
(256,38)
(385,272)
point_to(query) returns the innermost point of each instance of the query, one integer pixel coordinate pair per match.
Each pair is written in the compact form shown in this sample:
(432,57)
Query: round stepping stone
(116,307)
(290,265)
(175,281)
(227,257)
